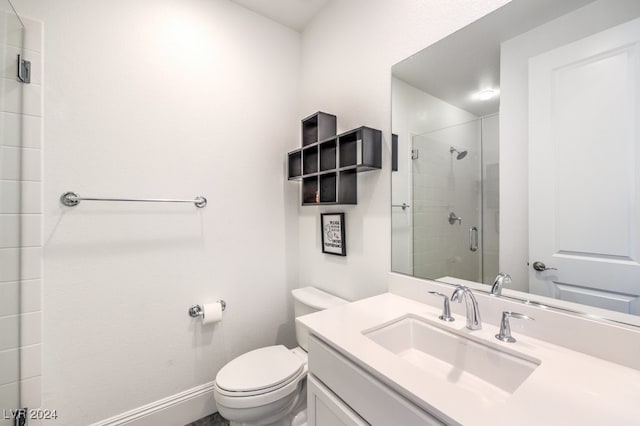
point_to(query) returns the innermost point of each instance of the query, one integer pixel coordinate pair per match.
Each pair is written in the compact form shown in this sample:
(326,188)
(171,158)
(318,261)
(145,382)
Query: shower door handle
(473,238)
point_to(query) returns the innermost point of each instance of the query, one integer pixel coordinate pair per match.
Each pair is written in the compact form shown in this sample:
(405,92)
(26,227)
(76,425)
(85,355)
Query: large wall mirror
(518,141)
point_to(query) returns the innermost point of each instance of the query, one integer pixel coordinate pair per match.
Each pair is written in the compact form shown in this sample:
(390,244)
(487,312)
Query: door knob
(539,266)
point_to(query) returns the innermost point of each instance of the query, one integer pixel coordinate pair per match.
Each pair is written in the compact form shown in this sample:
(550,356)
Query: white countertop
(568,387)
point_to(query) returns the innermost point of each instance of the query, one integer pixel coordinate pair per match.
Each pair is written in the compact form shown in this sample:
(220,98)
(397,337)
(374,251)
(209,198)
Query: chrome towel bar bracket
(71,199)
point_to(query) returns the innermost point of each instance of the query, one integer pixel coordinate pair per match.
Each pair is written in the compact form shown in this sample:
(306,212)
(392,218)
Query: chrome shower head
(461,154)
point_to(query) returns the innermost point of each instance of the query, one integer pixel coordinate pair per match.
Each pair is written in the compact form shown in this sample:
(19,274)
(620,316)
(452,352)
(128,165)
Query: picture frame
(332,229)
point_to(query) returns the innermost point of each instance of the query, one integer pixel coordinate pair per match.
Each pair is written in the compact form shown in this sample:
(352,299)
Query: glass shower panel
(447,200)
(490,198)
(11,44)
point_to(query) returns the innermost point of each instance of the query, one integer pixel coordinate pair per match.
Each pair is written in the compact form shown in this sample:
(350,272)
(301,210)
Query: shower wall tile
(8,61)
(20,230)
(9,298)
(29,392)
(20,263)
(32,35)
(31,227)
(10,233)
(9,332)
(31,263)
(19,164)
(30,296)
(11,30)
(20,297)
(20,216)
(11,96)
(23,363)
(13,35)
(10,260)
(9,366)
(9,395)
(20,98)
(30,361)
(13,202)
(19,130)
(11,129)
(20,330)
(30,329)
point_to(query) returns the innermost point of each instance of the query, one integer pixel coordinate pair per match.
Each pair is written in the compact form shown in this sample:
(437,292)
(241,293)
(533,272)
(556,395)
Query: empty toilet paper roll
(211,313)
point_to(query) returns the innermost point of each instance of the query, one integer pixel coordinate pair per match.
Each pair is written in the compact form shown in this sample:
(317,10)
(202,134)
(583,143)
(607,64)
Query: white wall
(347,54)
(158,98)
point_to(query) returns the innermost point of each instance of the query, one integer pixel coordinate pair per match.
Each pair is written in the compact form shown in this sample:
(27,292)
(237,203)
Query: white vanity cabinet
(325,408)
(341,393)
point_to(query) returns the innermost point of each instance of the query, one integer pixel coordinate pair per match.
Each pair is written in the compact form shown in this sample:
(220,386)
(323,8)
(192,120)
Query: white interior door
(584,160)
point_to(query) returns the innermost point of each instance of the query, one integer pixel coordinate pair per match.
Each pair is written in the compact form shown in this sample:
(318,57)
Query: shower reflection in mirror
(454,177)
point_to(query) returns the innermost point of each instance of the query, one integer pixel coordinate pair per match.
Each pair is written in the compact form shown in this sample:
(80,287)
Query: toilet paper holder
(196,311)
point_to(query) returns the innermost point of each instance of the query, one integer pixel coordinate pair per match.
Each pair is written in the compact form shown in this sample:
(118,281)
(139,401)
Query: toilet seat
(259,377)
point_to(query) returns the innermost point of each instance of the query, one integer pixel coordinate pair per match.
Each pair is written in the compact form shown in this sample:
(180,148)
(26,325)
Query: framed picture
(332,230)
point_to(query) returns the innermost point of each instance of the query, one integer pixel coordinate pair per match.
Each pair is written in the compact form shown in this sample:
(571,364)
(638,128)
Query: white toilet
(267,386)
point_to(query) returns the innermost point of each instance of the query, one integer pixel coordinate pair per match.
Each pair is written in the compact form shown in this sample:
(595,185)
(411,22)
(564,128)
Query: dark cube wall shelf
(310,159)
(317,127)
(328,155)
(295,164)
(361,148)
(328,163)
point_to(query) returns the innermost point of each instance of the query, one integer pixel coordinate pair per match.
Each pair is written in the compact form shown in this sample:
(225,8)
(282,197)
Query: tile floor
(213,420)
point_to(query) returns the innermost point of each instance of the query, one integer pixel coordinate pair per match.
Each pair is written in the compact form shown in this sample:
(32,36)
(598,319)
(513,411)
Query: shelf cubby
(310,190)
(328,155)
(362,148)
(328,164)
(317,127)
(310,160)
(295,164)
(348,187)
(328,188)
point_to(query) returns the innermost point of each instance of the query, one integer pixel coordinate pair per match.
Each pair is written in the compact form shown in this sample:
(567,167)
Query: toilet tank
(308,300)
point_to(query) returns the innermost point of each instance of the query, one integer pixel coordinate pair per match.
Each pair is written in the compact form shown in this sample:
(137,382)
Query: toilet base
(300,419)
(296,412)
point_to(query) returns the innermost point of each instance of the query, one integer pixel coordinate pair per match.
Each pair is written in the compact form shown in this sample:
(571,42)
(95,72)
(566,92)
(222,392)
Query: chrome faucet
(473,313)
(502,279)
(446,309)
(505,329)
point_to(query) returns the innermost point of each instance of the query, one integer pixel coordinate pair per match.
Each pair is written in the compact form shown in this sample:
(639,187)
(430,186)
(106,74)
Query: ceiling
(295,14)
(457,67)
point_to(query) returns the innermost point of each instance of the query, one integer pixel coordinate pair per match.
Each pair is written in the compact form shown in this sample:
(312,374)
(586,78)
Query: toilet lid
(263,368)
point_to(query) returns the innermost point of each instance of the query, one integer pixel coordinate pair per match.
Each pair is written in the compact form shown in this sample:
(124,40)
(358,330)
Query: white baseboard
(179,409)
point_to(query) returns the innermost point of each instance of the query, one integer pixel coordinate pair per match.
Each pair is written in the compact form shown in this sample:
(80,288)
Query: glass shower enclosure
(455,201)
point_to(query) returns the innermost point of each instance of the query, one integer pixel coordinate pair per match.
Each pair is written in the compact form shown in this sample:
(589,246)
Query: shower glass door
(455,198)
(11,44)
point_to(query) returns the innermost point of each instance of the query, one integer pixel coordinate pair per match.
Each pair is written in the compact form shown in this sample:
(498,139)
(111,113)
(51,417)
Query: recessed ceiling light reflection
(486,94)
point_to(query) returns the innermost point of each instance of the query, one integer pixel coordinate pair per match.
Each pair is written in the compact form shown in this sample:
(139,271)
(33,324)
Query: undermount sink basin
(457,357)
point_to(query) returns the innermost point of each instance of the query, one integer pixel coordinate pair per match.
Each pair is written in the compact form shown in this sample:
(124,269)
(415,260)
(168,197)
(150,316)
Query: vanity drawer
(324,408)
(375,402)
